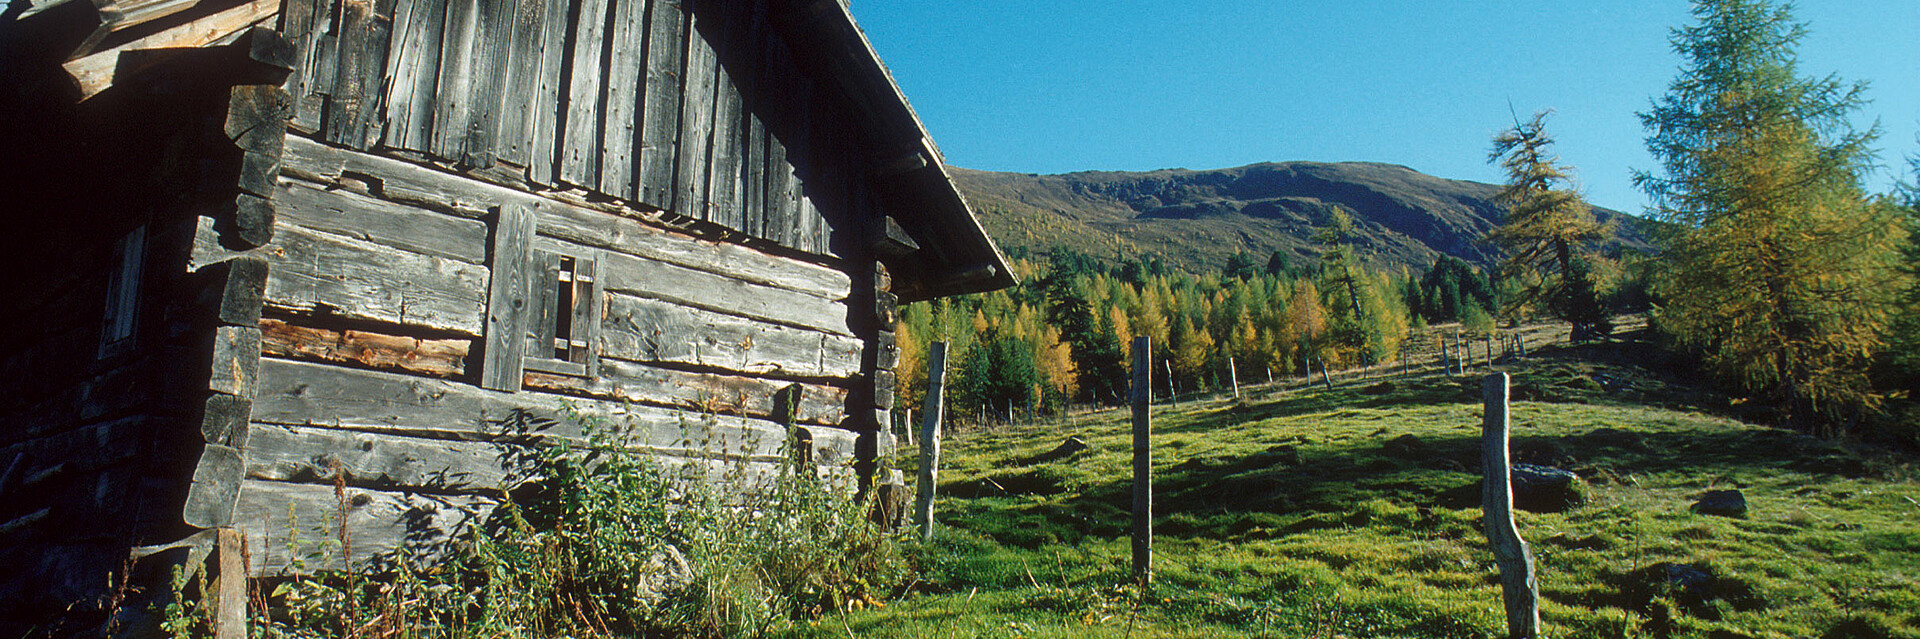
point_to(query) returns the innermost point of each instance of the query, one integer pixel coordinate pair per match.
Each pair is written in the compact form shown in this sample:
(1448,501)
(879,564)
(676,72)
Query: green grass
(1293,516)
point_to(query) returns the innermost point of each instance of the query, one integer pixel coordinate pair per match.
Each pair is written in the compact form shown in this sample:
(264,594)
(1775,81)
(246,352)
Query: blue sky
(1070,85)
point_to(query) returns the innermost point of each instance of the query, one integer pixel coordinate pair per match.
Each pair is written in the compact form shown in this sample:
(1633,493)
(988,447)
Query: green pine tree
(1547,228)
(1776,266)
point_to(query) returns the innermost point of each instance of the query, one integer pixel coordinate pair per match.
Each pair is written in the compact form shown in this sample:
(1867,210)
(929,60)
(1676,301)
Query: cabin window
(563,328)
(123,293)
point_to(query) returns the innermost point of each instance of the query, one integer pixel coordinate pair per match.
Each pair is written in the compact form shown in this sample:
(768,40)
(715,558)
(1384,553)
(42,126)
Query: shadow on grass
(1295,485)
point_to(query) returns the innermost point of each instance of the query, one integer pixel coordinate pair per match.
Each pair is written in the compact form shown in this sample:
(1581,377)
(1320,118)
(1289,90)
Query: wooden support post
(1325,377)
(1269,376)
(930,437)
(1522,341)
(1489,351)
(1517,581)
(911,439)
(230,617)
(1142,461)
(1233,373)
(1173,395)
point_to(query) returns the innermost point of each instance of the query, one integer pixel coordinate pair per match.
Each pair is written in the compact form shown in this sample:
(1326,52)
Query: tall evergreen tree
(1547,228)
(1776,267)
(1336,260)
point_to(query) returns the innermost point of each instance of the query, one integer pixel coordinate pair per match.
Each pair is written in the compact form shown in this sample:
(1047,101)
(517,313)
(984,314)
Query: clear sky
(1070,85)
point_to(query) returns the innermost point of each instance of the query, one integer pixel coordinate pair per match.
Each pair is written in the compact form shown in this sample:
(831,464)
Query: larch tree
(1547,229)
(1776,264)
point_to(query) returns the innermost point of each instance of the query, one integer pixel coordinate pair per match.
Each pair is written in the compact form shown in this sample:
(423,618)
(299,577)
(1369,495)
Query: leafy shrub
(599,542)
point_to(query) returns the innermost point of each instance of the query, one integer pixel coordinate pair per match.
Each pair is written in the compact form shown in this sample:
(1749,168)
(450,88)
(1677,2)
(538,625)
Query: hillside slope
(1196,219)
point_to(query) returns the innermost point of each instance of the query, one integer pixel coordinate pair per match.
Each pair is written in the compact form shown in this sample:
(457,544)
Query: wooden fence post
(1233,372)
(930,437)
(230,618)
(1489,351)
(1325,377)
(1142,461)
(1173,395)
(1518,585)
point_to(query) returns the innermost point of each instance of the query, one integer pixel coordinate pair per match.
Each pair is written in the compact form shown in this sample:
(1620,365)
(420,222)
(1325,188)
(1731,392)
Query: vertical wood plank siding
(693,107)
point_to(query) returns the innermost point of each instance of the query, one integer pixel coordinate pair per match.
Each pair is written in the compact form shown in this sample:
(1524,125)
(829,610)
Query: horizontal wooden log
(294,528)
(215,487)
(419,356)
(319,273)
(723,294)
(81,450)
(373,460)
(706,392)
(233,291)
(236,360)
(652,331)
(306,394)
(628,231)
(370,219)
(606,230)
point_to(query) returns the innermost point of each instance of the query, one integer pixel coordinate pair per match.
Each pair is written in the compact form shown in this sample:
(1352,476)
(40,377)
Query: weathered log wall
(692,108)
(376,319)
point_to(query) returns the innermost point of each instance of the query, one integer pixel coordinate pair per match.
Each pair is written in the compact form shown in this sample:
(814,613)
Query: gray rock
(1725,503)
(1545,489)
(1073,446)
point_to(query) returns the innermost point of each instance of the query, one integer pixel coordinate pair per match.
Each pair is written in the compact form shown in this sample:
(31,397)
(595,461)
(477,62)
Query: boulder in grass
(1544,489)
(1073,446)
(1725,503)
(1407,447)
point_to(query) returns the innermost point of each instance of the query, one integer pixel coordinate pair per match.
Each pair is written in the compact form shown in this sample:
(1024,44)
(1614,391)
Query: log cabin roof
(927,234)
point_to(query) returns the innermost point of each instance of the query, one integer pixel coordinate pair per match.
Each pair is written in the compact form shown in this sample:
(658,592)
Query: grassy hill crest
(1195,219)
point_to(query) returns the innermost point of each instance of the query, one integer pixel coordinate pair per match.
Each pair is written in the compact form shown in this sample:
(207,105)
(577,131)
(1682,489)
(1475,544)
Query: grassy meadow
(1354,512)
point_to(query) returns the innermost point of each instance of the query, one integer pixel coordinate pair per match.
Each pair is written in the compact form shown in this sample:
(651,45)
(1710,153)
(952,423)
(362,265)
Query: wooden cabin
(257,247)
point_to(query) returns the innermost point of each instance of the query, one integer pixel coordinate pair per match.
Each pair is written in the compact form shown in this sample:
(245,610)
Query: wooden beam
(95,72)
(415,355)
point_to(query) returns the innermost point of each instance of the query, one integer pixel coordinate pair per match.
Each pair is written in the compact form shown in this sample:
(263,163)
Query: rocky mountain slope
(1194,220)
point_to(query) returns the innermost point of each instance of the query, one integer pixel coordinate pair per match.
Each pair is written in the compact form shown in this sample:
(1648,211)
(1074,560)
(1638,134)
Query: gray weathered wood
(493,37)
(413,70)
(305,394)
(230,615)
(521,68)
(236,360)
(631,237)
(696,115)
(665,84)
(224,418)
(723,294)
(1142,459)
(215,487)
(1518,585)
(417,186)
(724,175)
(644,330)
(508,303)
(580,156)
(320,273)
(1233,373)
(621,114)
(453,93)
(308,454)
(934,411)
(284,521)
(370,219)
(360,71)
(546,122)
(621,380)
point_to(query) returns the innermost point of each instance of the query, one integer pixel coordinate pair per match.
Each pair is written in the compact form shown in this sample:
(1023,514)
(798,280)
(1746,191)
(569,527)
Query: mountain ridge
(1194,219)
